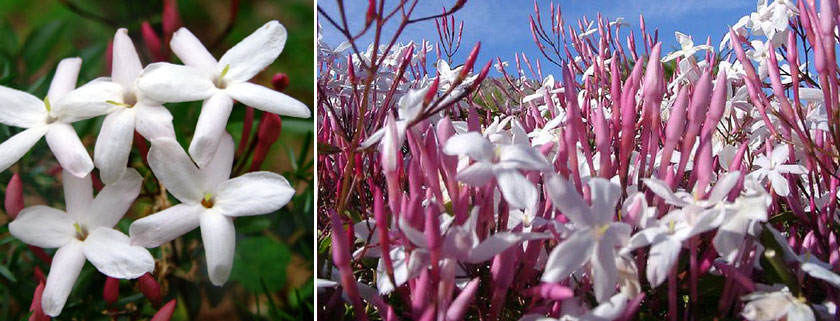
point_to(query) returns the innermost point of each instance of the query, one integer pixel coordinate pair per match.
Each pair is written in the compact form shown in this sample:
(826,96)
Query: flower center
(81,232)
(601,230)
(208,201)
(220,81)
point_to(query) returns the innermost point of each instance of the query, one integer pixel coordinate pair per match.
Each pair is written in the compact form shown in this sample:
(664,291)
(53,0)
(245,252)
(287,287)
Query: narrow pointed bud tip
(165,313)
(432,91)
(280,81)
(468,66)
(170,18)
(14,196)
(371,12)
(152,41)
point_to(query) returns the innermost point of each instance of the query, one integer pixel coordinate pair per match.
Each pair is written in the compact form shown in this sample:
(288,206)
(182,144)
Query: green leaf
(4,271)
(261,258)
(40,42)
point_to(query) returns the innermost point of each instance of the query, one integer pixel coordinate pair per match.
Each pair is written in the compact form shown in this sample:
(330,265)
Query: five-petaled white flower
(209,199)
(85,231)
(52,117)
(687,47)
(775,303)
(218,83)
(773,167)
(131,110)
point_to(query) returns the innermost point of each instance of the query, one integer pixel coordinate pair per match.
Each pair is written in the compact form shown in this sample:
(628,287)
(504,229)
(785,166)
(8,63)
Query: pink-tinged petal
(792,169)
(779,183)
(90,100)
(78,195)
(661,260)
(413,235)
(43,226)
(153,121)
(477,174)
(258,50)
(64,80)
(126,65)
(64,270)
(217,171)
(164,226)
(604,271)
(114,200)
(268,100)
(518,191)
(68,149)
(254,193)
(219,238)
(565,198)
(471,144)
(605,196)
(189,49)
(779,154)
(174,169)
(662,190)
(113,145)
(20,109)
(523,157)
(16,146)
(169,83)
(497,243)
(644,238)
(110,252)
(210,127)
(570,255)
(723,186)
(729,240)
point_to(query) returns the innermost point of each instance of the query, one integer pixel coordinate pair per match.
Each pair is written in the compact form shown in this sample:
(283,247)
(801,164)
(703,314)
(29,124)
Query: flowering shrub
(137,159)
(634,183)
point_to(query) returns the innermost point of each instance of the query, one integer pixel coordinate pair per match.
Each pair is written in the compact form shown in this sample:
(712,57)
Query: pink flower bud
(36,309)
(153,43)
(267,134)
(111,290)
(371,12)
(468,66)
(14,196)
(459,307)
(150,288)
(165,313)
(433,88)
(170,18)
(280,81)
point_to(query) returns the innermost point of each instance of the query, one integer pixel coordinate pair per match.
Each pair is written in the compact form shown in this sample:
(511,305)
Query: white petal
(604,272)
(68,149)
(569,256)
(821,273)
(110,252)
(476,174)
(523,157)
(662,190)
(126,65)
(605,196)
(253,194)
(175,170)
(114,200)
(268,100)
(779,183)
(164,226)
(258,50)
(169,83)
(88,101)
(661,260)
(153,121)
(565,198)
(219,238)
(518,191)
(16,146)
(723,186)
(20,109)
(610,310)
(190,50)
(113,145)
(64,80)
(499,242)
(78,194)
(210,127)
(471,144)
(43,226)
(729,239)
(217,171)
(64,270)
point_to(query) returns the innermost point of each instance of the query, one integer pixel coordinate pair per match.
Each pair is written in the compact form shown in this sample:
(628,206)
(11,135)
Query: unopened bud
(111,290)
(280,81)
(150,288)
(36,309)
(269,130)
(152,42)
(170,18)
(165,313)
(468,66)
(371,12)
(432,91)
(14,196)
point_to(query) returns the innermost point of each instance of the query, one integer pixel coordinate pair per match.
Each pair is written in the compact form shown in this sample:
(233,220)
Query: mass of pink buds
(613,177)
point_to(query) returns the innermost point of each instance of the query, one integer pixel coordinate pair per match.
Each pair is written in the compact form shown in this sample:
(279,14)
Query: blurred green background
(272,275)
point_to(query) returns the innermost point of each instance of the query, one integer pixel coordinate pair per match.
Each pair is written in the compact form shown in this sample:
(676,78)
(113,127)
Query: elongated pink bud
(433,88)
(468,66)
(170,18)
(551,291)
(153,43)
(482,74)
(165,313)
(14,196)
(459,307)
(150,288)
(371,12)
(111,290)
(36,309)
(269,130)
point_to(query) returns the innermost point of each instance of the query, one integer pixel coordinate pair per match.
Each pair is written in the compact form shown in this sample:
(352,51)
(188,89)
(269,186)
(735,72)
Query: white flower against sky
(596,235)
(52,116)
(132,110)
(410,107)
(687,47)
(218,83)
(209,199)
(84,232)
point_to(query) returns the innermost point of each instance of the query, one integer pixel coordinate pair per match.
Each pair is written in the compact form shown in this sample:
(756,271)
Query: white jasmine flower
(776,305)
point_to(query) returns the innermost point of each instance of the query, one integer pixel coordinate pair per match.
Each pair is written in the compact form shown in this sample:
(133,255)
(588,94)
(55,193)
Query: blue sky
(502,25)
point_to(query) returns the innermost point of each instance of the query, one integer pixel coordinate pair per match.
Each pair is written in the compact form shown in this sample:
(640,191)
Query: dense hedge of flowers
(132,100)
(634,183)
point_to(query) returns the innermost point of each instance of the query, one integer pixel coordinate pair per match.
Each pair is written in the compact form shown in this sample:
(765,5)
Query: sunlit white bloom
(596,237)
(574,309)
(84,232)
(209,199)
(132,110)
(771,19)
(410,107)
(52,116)
(773,167)
(687,47)
(774,304)
(748,210)
(759,53)
(448,76)
(218,83)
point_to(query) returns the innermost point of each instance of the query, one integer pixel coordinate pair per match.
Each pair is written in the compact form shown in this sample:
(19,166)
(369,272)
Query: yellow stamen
(116,103)
(47,104)
(207,201)
(225,71)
